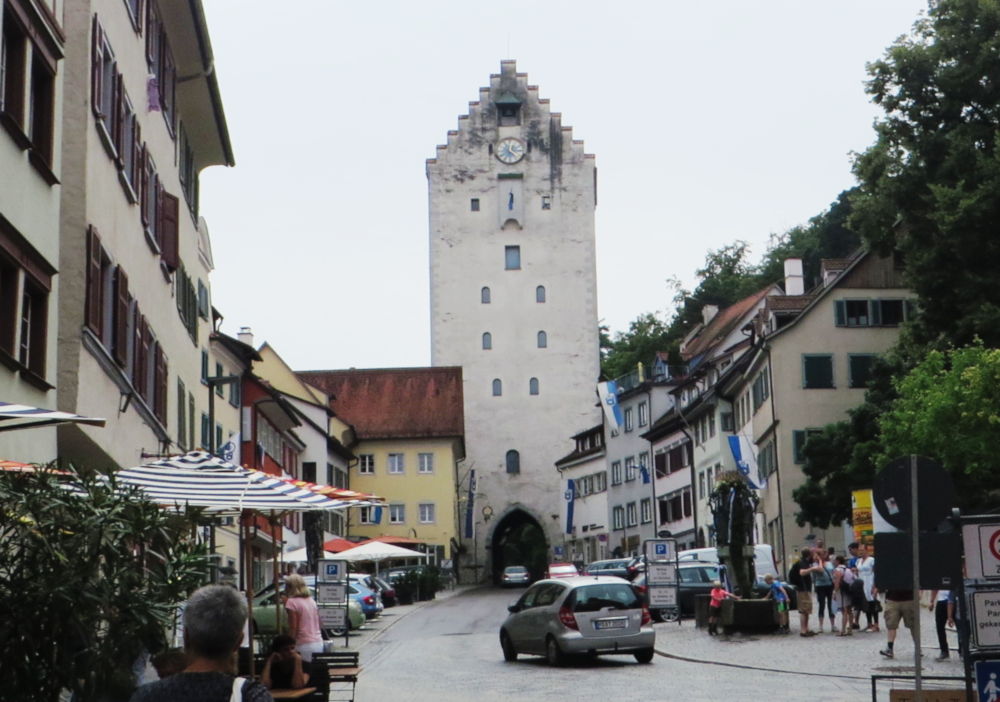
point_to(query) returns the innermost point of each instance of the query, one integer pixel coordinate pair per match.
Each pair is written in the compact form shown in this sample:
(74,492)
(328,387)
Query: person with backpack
(843,578)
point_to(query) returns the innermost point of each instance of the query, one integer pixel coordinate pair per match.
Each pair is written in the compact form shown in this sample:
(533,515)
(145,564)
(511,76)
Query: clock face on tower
(510,150)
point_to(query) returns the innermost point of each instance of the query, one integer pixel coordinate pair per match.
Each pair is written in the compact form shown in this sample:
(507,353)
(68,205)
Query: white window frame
(366,464)
(618,518)
(425,463)
(629,468)
(428,513)
(365,515)
(397,513)
(616,473)
(646,510)
(631,518)
(397,464)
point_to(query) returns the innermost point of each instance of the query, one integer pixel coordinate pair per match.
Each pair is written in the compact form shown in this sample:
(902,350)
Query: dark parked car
(696,579)
(611,566)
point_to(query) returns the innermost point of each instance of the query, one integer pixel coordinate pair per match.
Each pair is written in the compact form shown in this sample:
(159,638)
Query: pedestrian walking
(213,629)
(718,594)
(303,617)
(776,591)
(899,605)
(943,615)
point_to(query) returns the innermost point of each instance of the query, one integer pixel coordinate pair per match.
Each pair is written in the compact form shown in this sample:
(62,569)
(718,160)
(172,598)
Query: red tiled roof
(722,323)
(788,302)
(395,402)
(338,545)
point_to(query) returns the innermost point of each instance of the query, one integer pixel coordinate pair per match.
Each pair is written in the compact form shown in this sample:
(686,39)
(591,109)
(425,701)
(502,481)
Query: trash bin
(701,610)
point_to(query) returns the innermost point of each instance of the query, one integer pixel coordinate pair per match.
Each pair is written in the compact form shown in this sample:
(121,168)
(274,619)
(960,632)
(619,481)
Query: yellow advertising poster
(861,517)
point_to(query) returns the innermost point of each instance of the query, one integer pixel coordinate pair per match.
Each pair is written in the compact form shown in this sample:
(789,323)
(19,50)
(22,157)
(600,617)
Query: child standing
(715,606)
(777,591)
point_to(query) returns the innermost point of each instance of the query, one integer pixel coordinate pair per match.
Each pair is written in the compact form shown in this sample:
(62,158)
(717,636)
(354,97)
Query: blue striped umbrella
(200,479)
(17,416)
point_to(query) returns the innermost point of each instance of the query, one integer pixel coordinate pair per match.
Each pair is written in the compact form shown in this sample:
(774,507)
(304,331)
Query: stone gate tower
(514,302)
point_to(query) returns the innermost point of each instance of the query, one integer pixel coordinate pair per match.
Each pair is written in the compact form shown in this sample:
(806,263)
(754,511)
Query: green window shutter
(798,441)
(840,313)
(875,313)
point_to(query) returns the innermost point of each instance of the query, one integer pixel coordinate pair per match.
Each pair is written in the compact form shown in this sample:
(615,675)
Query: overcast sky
(711,121)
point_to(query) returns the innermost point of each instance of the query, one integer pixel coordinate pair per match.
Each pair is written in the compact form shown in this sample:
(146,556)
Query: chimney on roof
(246,336)
(708,313)
(794,284)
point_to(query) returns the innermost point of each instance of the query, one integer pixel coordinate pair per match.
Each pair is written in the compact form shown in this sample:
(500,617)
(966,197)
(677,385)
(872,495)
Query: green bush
(90,576)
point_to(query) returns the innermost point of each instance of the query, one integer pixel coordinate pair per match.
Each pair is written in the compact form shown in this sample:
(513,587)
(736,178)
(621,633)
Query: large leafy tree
(947,409)
(930,184)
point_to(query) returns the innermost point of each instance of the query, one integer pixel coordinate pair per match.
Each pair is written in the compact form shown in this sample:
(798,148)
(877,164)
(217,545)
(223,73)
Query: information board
(661,574)
(330,593)
(986,619)
(332,617)
(662,595)
(331,571)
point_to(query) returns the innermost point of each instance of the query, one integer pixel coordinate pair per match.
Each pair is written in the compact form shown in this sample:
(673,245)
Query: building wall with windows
(32,51)
(512,197)
(815,378)
(585,538)
(136,313)
(416,478)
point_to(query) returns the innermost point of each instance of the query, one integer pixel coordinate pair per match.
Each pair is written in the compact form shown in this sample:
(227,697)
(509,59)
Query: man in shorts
(899,604)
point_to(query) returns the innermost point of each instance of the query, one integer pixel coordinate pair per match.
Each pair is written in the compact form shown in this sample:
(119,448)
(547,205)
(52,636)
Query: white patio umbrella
(377,551)
(298,555)
(14,415)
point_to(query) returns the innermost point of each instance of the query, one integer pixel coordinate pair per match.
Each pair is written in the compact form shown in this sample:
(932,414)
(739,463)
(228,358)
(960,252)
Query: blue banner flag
(746,462)
(570,500)
(377,515)
(608,392)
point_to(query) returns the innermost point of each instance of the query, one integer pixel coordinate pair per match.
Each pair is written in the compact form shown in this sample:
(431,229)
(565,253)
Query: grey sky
(710,122)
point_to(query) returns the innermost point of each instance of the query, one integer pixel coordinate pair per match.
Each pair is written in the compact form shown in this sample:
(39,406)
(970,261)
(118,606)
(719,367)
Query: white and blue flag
(608,392)
(746,461)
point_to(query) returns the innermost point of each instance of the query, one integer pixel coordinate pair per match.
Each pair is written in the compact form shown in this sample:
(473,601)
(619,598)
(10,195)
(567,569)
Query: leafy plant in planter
(430,582)
(406,587)
(90,577)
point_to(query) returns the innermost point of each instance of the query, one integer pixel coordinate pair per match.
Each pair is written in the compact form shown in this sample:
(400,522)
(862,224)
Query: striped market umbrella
(200,479)
(17,416)
(335,493)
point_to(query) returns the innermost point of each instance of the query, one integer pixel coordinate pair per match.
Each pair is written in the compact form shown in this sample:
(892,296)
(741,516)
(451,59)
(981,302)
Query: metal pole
(915,535)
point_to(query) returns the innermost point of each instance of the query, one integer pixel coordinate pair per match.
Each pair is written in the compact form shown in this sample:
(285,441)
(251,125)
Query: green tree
(90,576)
(947,410)
(646,335)
(930,184)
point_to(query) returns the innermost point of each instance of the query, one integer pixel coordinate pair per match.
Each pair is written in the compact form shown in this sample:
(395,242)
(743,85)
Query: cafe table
(296,694)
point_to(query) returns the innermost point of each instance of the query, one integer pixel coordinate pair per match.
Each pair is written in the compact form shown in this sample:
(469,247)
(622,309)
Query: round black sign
(935,493)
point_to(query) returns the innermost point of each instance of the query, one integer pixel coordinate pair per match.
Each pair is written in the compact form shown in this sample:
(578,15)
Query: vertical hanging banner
(746,462)
(861,517)
(470,504)
(608,392)
(570,500)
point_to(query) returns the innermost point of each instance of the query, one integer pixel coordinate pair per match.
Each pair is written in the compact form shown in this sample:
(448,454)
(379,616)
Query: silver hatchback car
(587,615)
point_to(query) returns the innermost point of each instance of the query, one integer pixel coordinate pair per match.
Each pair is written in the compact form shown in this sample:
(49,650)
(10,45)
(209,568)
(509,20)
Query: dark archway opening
(519,540)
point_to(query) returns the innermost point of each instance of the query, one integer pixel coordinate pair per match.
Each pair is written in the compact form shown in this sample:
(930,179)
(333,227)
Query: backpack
(858,589)
(795,576)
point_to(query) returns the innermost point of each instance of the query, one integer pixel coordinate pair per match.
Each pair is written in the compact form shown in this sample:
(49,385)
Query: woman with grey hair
(213,629)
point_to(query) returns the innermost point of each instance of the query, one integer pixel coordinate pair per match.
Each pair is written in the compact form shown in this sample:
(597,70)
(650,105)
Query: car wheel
(509,652)
(644,655)
(671,614)
(553,654)
(336,631)
(657,615)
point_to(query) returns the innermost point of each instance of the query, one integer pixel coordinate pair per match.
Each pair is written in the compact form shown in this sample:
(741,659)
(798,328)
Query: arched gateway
(518,539)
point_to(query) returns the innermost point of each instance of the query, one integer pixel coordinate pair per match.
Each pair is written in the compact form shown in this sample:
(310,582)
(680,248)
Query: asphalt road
(448,651)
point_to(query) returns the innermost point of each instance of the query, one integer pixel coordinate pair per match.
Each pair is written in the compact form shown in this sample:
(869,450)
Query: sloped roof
(721,324)
(836,264)
(395,403)
(791,303)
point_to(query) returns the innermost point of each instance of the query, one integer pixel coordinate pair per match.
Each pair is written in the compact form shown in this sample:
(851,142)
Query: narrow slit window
(487,341)
(543,340)
(533,386)
(497,387)
(540,293)
(474,204)
(484,296)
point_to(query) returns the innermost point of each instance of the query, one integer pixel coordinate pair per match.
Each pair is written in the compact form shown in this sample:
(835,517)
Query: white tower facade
(514,302)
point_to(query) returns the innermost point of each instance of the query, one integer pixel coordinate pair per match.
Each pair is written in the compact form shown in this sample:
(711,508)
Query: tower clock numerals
(510,150)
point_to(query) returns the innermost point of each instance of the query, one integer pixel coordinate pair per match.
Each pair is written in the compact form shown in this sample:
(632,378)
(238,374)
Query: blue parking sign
(333,569)
(661,549)
(988,680)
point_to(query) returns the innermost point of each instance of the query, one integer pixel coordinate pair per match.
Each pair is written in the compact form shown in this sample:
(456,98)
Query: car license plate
(616,623)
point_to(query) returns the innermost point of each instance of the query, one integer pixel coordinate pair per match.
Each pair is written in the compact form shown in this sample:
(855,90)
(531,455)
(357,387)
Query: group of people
(824,579)
(215,618)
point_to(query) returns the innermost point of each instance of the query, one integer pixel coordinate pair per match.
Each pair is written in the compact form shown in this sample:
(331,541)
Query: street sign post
(987,681)
(662,584)
(982,551)
(986,618)
(331,595)
(331,571)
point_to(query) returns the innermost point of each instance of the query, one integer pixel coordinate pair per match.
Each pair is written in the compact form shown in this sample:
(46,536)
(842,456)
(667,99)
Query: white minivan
(763,559)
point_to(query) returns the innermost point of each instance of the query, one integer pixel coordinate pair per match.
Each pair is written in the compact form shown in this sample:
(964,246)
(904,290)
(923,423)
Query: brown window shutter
(143,340)
(120,116)
(136,147)
(167,230)
(136,345)
(94,305)
(96,54)
(152,34)
(120,345)
(160,386)
(143,182)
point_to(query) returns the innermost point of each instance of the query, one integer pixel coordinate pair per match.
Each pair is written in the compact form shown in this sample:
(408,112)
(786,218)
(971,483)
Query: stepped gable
(396,403)
(541,128)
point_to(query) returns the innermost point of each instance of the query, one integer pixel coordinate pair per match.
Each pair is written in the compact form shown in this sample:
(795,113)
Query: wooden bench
(342,669)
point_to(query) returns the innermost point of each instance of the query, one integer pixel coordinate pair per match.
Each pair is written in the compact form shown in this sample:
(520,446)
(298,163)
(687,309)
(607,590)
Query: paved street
(447,650)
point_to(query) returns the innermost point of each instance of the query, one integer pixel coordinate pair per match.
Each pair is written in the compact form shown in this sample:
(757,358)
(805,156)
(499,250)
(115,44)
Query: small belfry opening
(518,539)
(508,110)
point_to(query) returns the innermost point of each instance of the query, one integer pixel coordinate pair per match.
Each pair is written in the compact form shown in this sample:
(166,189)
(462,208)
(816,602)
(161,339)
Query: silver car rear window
(593,598)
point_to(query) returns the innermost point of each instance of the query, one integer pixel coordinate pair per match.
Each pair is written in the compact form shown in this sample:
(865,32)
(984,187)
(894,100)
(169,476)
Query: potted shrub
(429,579)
